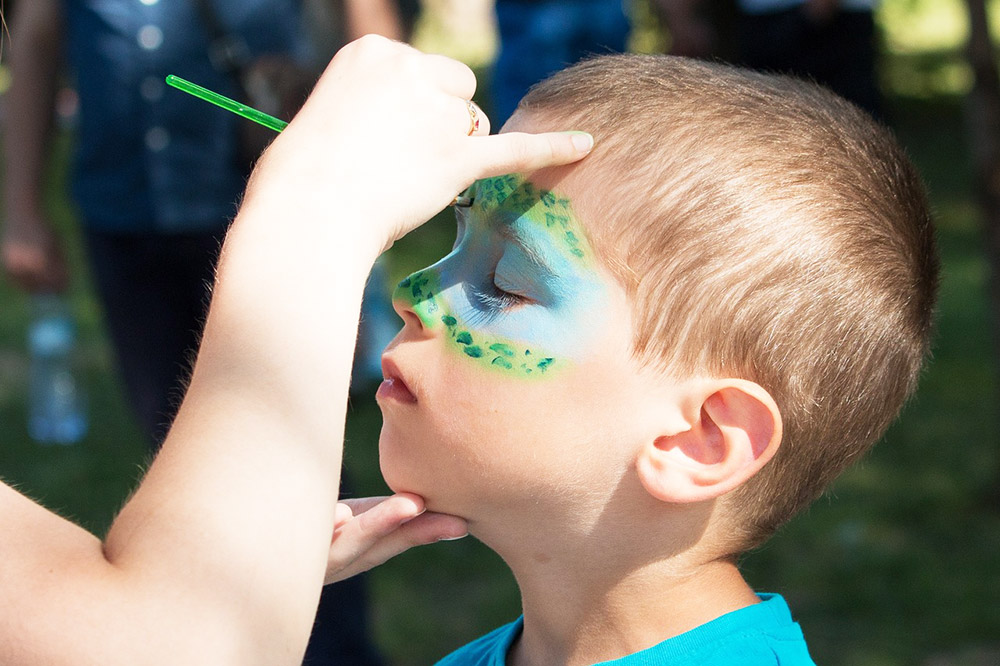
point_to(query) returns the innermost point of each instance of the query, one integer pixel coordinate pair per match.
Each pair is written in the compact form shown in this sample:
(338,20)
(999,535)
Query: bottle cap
(51,336)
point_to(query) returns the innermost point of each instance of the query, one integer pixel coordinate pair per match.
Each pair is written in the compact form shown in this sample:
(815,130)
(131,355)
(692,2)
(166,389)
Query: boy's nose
(414,298)
(405,311)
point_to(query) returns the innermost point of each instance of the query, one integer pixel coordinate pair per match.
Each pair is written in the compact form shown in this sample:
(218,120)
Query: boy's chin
(402,469)
(433,498)
(441,491)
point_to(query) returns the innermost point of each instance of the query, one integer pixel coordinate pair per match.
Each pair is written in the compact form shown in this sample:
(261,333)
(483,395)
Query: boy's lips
(393,387)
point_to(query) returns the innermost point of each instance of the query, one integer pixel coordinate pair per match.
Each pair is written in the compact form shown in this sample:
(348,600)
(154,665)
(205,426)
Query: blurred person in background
(157,173)
(831,42)
(540,37)
(157,176)
(692,26)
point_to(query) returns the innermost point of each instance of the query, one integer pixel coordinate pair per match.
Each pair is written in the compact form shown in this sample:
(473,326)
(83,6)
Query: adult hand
(386,132)
(371,530)
(32,257)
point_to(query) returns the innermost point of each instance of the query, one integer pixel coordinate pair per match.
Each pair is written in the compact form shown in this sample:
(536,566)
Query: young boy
(632,370)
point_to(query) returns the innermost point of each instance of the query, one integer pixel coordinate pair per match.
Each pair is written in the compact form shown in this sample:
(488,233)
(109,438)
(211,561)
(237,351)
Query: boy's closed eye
(511,289)
(523,271)
(500,295)
(520,276)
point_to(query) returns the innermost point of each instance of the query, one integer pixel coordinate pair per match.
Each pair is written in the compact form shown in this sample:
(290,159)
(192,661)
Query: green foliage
(924,46)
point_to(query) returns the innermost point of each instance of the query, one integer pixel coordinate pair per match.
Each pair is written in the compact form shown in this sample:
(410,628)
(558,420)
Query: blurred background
(899,564)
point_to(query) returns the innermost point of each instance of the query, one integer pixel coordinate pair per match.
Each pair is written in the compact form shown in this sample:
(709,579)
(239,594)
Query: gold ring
(473,118)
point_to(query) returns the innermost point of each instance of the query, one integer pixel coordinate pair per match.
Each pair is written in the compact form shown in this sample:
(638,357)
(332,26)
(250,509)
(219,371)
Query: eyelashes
(498,299)
(491,302)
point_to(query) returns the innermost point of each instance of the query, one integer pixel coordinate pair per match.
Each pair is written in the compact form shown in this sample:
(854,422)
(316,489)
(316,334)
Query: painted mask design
(519,291)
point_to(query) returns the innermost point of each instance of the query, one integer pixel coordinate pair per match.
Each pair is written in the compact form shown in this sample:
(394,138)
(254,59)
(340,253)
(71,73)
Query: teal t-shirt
(760,634)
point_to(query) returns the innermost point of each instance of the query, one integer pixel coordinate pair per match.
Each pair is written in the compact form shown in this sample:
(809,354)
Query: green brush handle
(248,112)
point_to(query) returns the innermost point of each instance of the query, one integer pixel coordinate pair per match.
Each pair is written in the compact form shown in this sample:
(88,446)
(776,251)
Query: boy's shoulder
(764,633)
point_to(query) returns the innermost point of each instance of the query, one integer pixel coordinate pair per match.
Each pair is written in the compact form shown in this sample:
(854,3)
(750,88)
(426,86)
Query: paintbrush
(250,113)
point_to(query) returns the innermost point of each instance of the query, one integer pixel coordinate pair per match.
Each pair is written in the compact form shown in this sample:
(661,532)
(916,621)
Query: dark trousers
(155,290)
(839,53)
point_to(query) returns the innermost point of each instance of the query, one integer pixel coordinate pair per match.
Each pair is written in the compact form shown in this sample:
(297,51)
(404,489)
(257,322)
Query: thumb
(519,152)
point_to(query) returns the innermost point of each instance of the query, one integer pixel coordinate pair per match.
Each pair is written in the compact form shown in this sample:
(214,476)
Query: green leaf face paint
(519,290)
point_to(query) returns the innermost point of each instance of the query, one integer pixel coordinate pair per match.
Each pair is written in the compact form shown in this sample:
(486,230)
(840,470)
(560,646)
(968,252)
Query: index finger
(519,152)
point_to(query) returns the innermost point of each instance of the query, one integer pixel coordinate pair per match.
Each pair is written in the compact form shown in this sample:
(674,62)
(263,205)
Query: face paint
(521,287)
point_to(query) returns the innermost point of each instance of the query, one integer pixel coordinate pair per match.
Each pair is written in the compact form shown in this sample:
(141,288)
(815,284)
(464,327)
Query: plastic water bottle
(56,412)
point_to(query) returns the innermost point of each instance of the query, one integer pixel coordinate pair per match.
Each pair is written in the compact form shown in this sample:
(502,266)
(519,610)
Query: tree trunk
(984,131)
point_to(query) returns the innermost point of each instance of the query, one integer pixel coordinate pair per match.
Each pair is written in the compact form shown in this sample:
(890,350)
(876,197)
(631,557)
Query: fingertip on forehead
(516,123)
(549,177)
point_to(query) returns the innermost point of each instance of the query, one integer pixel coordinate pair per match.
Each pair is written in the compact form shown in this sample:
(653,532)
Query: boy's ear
(734,428)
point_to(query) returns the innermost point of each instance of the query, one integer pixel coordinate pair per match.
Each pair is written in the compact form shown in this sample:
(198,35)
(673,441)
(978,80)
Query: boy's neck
(581,613)
(609,587)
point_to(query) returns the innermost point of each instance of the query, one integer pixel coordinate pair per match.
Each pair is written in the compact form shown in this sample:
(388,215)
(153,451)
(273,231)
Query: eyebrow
(506,230)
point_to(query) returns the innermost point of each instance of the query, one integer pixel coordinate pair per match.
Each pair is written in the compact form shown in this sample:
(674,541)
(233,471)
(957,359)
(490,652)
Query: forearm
(219,556)
(243,494)
(34,58)
(225,544)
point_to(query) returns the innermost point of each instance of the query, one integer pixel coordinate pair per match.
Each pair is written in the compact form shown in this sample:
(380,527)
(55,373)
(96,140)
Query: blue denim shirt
(151,159)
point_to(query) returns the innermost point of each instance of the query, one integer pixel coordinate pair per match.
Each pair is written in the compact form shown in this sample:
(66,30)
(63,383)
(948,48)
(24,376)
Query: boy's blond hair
(765,229)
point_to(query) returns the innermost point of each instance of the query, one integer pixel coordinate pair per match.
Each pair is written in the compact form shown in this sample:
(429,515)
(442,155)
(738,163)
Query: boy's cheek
(477,438)
(465,415)
(443,459)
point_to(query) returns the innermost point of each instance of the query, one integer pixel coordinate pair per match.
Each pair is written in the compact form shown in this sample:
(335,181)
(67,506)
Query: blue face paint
(518,290)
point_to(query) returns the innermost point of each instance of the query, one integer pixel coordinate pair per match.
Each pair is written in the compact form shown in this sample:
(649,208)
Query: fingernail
(582,141)
(454,538)
(422,511)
